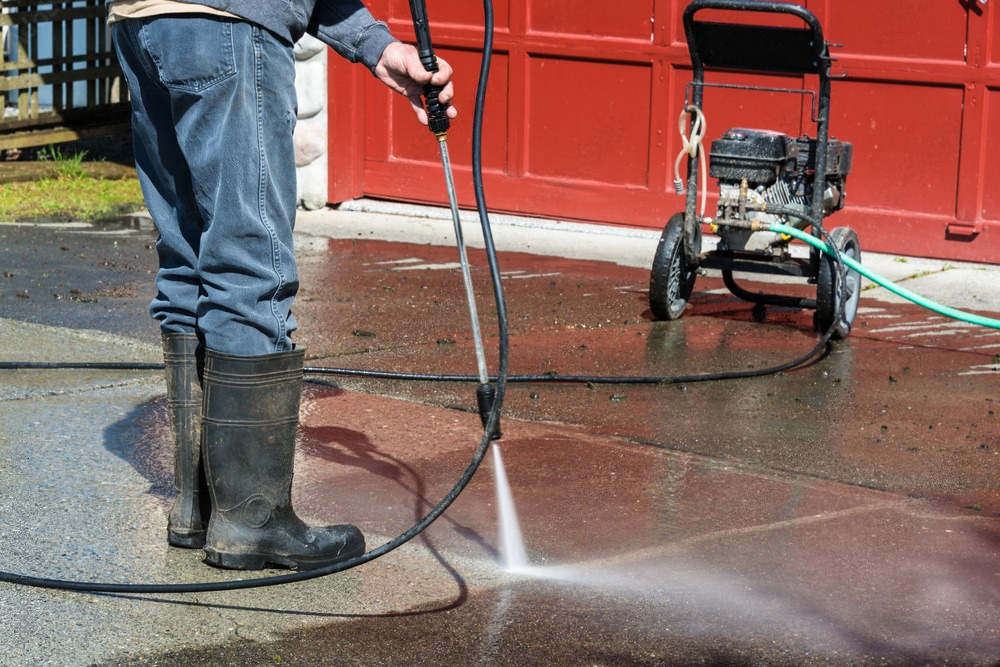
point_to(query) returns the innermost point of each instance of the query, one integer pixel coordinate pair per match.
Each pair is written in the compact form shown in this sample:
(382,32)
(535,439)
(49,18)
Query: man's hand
(400,69)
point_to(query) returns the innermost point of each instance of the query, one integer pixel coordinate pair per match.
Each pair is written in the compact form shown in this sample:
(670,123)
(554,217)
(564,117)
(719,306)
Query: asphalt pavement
(843,513)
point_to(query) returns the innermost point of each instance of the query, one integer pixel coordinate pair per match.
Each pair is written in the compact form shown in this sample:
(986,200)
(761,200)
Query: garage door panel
(588,120)
(495,119)
(991,167)
(444,13)
(405,140)
(992,44)
(905,144)
(409,141)
(898,29)
(631,20)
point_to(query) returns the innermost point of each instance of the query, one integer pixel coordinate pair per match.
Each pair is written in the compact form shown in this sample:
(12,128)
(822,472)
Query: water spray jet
(512,552)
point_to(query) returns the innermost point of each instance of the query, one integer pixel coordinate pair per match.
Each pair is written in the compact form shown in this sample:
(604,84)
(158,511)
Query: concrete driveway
(844,513)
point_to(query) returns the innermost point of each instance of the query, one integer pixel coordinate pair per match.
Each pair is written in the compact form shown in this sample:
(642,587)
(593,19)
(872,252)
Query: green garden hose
(852,264)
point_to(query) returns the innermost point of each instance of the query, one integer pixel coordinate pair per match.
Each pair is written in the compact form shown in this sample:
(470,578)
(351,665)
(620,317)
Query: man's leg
(233,126)
(166,184)
(215,119)
(167,188)
(236,134)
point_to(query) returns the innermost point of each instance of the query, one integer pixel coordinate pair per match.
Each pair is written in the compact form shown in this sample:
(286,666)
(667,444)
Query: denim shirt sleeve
(349,29)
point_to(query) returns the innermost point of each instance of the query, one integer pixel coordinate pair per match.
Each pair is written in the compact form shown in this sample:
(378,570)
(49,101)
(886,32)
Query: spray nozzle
(485,396)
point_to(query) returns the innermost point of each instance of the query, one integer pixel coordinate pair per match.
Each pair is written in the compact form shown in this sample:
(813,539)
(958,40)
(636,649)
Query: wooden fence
(59,76)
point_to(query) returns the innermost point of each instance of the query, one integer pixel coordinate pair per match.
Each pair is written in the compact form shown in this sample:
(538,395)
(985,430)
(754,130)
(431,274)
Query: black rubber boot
(189,514)
(249,421)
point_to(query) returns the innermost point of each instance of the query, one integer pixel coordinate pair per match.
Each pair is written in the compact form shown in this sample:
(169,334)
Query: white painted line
(447,266)
(947,332)
(533,275)
(916,326)
(984,369)
(408,260)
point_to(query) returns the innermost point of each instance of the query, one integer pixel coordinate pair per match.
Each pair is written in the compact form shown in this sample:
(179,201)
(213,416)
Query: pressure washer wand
(438,123)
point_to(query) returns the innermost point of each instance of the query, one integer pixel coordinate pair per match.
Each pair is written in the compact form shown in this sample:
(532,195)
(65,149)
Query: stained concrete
(844,513)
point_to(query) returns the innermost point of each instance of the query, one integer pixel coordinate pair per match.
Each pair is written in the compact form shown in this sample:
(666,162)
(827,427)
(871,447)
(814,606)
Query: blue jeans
(213,110)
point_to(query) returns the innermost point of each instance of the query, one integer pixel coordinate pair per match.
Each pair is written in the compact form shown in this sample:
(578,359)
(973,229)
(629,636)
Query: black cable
(546,378)
(492,425)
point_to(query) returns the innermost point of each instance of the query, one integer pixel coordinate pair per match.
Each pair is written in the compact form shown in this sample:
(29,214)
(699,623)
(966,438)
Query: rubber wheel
(672,279)
(827,296)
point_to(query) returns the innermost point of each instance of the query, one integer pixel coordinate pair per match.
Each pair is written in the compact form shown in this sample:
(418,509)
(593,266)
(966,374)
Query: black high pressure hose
(491,424)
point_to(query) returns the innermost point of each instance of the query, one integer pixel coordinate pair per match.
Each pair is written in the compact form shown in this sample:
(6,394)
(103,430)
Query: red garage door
(581,121)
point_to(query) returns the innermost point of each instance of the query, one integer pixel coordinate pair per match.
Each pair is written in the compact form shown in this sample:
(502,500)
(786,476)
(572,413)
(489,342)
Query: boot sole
(186,540)
(259,561)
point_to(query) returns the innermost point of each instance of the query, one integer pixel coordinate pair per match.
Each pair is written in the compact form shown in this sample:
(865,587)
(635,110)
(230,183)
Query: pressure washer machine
(764,176)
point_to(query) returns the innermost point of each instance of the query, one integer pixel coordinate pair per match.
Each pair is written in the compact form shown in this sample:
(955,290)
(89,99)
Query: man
(213,109)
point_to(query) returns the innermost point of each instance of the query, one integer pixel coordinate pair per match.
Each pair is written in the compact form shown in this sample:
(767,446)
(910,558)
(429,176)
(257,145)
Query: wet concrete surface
(79,276)
(844,513)
(908,398)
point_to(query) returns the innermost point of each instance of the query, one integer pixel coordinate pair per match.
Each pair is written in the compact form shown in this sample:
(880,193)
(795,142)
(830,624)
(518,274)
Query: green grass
(71,195)
(67,166)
